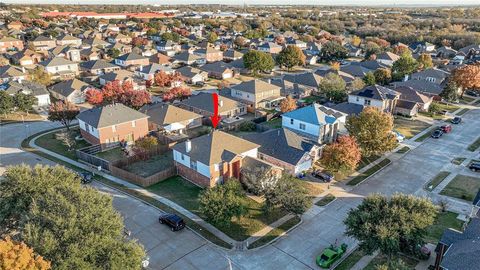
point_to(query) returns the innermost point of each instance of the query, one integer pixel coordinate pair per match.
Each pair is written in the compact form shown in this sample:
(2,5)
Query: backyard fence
(88,155)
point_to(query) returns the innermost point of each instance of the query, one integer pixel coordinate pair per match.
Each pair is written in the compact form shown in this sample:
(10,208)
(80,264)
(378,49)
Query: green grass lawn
(403,150)
(462,111)
(275,232)
(152,165)
(382,259)
(437,180)
(366,160)
(475,145)
(448,107)
(443,220)
(351,260)
(311,99)
(274,123)
(49,142)
(466,99)
(187,194)
(326,200)
(462,187)
(426,135)
(408,127)
(458,160)
(113,154)
(358,179)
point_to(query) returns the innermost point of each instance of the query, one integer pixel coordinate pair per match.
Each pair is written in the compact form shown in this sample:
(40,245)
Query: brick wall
(123,130)
(89,138)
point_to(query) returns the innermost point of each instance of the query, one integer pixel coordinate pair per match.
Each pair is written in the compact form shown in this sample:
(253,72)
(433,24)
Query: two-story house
(257,94)
(12,73)
(270,47)
(433,75)
(383,98)
(43,43)
(59,67)
(387,58)
(8,44)
(213,158)
(98,67)
(148,72)
(69,40)
(72,90)
(131,59)
(203,104)
(169,118)
(111,124)
(210,54)
(319,123)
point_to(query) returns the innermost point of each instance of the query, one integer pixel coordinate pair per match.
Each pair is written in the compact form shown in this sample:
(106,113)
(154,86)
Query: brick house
(210,54)
(257,94)
(60,67)
(43,43)
(10,44)
(131,59)
(213,158)
(203,104)
(112,124)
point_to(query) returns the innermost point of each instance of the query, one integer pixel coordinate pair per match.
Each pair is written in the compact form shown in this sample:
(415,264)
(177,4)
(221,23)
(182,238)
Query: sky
(259,2)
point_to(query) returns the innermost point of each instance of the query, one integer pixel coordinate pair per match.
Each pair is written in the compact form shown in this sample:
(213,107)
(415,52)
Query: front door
(236,169)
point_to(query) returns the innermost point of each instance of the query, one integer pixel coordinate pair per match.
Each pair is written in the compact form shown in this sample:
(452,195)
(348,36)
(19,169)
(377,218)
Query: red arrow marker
(215,117)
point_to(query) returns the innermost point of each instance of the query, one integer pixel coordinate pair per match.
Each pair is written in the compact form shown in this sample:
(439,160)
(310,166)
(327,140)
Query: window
(358,99)
(133,123)
(182,157)
(114,128)
(367,102)
(193,165)
(291,121)
(302,126)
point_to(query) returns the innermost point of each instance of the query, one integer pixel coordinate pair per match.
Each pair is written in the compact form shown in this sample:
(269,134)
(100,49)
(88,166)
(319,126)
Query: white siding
(81,124)
(203,169)
(361,101)
(177,156)
(252,153)
(309,128)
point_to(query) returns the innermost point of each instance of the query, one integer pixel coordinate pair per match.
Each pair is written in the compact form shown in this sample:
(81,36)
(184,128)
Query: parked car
(446,128)
(456,120)
(173,221)
(437,133)
(325,177)
(85,177)
(330,255)
(473,93)
(474,166)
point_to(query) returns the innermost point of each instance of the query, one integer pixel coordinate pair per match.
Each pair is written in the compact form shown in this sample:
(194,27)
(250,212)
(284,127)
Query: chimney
(220,103)
(188,146)
(23,69)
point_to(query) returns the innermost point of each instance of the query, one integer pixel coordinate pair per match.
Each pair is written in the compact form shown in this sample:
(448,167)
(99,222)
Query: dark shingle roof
(204,102)
(422,86)
(165,114)
(376,92)
(67,87)
(255,86)
(110,115)
(97,64)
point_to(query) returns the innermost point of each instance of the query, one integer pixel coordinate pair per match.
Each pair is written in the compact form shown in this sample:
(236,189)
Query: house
(232,55)
(270,47)
(203,104)
(98,67)
(210,54)
(316,122)
(168,47)
(186,58)
(299,85)
(296,42)
(433,75)
(257,94)
(459,250)
(59,67)
(169,118)
(43,43)
(11,73)
(111,124)
(353,51)
(72,90)
(121,75)
(27,58)
(29,88)
(411,95)
(383,98)
(66,51)
(446,52)
(69,40)
(192,75)
(131,59)
(148,72)
(211,159)
(96,43)
(387,58)
(422,47)
(8,44)
(218,70)
(471,52)
(90,54)
(120,38)
(423,86)
(161,59)
(286,149)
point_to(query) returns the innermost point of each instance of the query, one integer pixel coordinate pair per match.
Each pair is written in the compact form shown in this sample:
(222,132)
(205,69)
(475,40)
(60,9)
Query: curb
(276,238)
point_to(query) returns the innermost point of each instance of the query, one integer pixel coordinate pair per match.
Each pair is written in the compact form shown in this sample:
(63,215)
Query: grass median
(277,232)
(474,146)
(362,176)
(437,180)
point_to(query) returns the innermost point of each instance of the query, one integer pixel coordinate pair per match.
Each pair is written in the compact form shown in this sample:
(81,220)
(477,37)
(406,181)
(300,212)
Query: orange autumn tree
(467,77)
(18,256)
(342,155)
(288,104)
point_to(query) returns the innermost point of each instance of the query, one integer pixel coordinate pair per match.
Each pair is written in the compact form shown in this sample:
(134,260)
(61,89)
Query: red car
(446,128)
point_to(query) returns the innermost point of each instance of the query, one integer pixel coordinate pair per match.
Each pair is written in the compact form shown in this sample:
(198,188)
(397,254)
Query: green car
(330,255)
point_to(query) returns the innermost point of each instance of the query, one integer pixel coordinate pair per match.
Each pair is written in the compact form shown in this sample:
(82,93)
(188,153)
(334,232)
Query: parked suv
(173,221)
(437,133)
(474,166)
(325,177)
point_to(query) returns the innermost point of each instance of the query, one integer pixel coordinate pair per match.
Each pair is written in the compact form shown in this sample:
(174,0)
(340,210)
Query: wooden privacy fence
(88,155)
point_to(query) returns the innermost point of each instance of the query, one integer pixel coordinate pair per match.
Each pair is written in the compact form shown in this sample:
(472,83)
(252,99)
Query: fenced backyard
(89,155)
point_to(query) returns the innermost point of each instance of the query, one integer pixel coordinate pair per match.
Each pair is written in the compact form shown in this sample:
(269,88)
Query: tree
(450,91)
(114,52)
(357,84)
(372,49)
(63,112)
(259,180)
(290,57)
(139,41)
(290,195)
(258,61)
(405,65)
(67,138)
(112,91)
(333,51)
(24,102)
(383,76)
(94,96)
(390,225)
(333,87)
(240,42)
(425,61)
(223,202)
(144,145)
(356,41)
(39,75)
(369,78)
(288,104)
(212,37)
(135,98)
(342,155)
(177,93)
(372,129)
(7,104)
(434,108)
(18,256)
(48,209)
(335,66)
(393,265)
(162,79)
(467,77)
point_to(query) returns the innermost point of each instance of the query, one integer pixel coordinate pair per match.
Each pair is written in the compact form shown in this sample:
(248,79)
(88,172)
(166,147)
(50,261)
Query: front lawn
(466,99)
(458,160)
(187,195)
(403,150)
(462,187)
(443,220)
(408,127)
(361,177)
(366,160)
(351,260)
(437,180)
(146,168)
(50,142)
(311,99)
